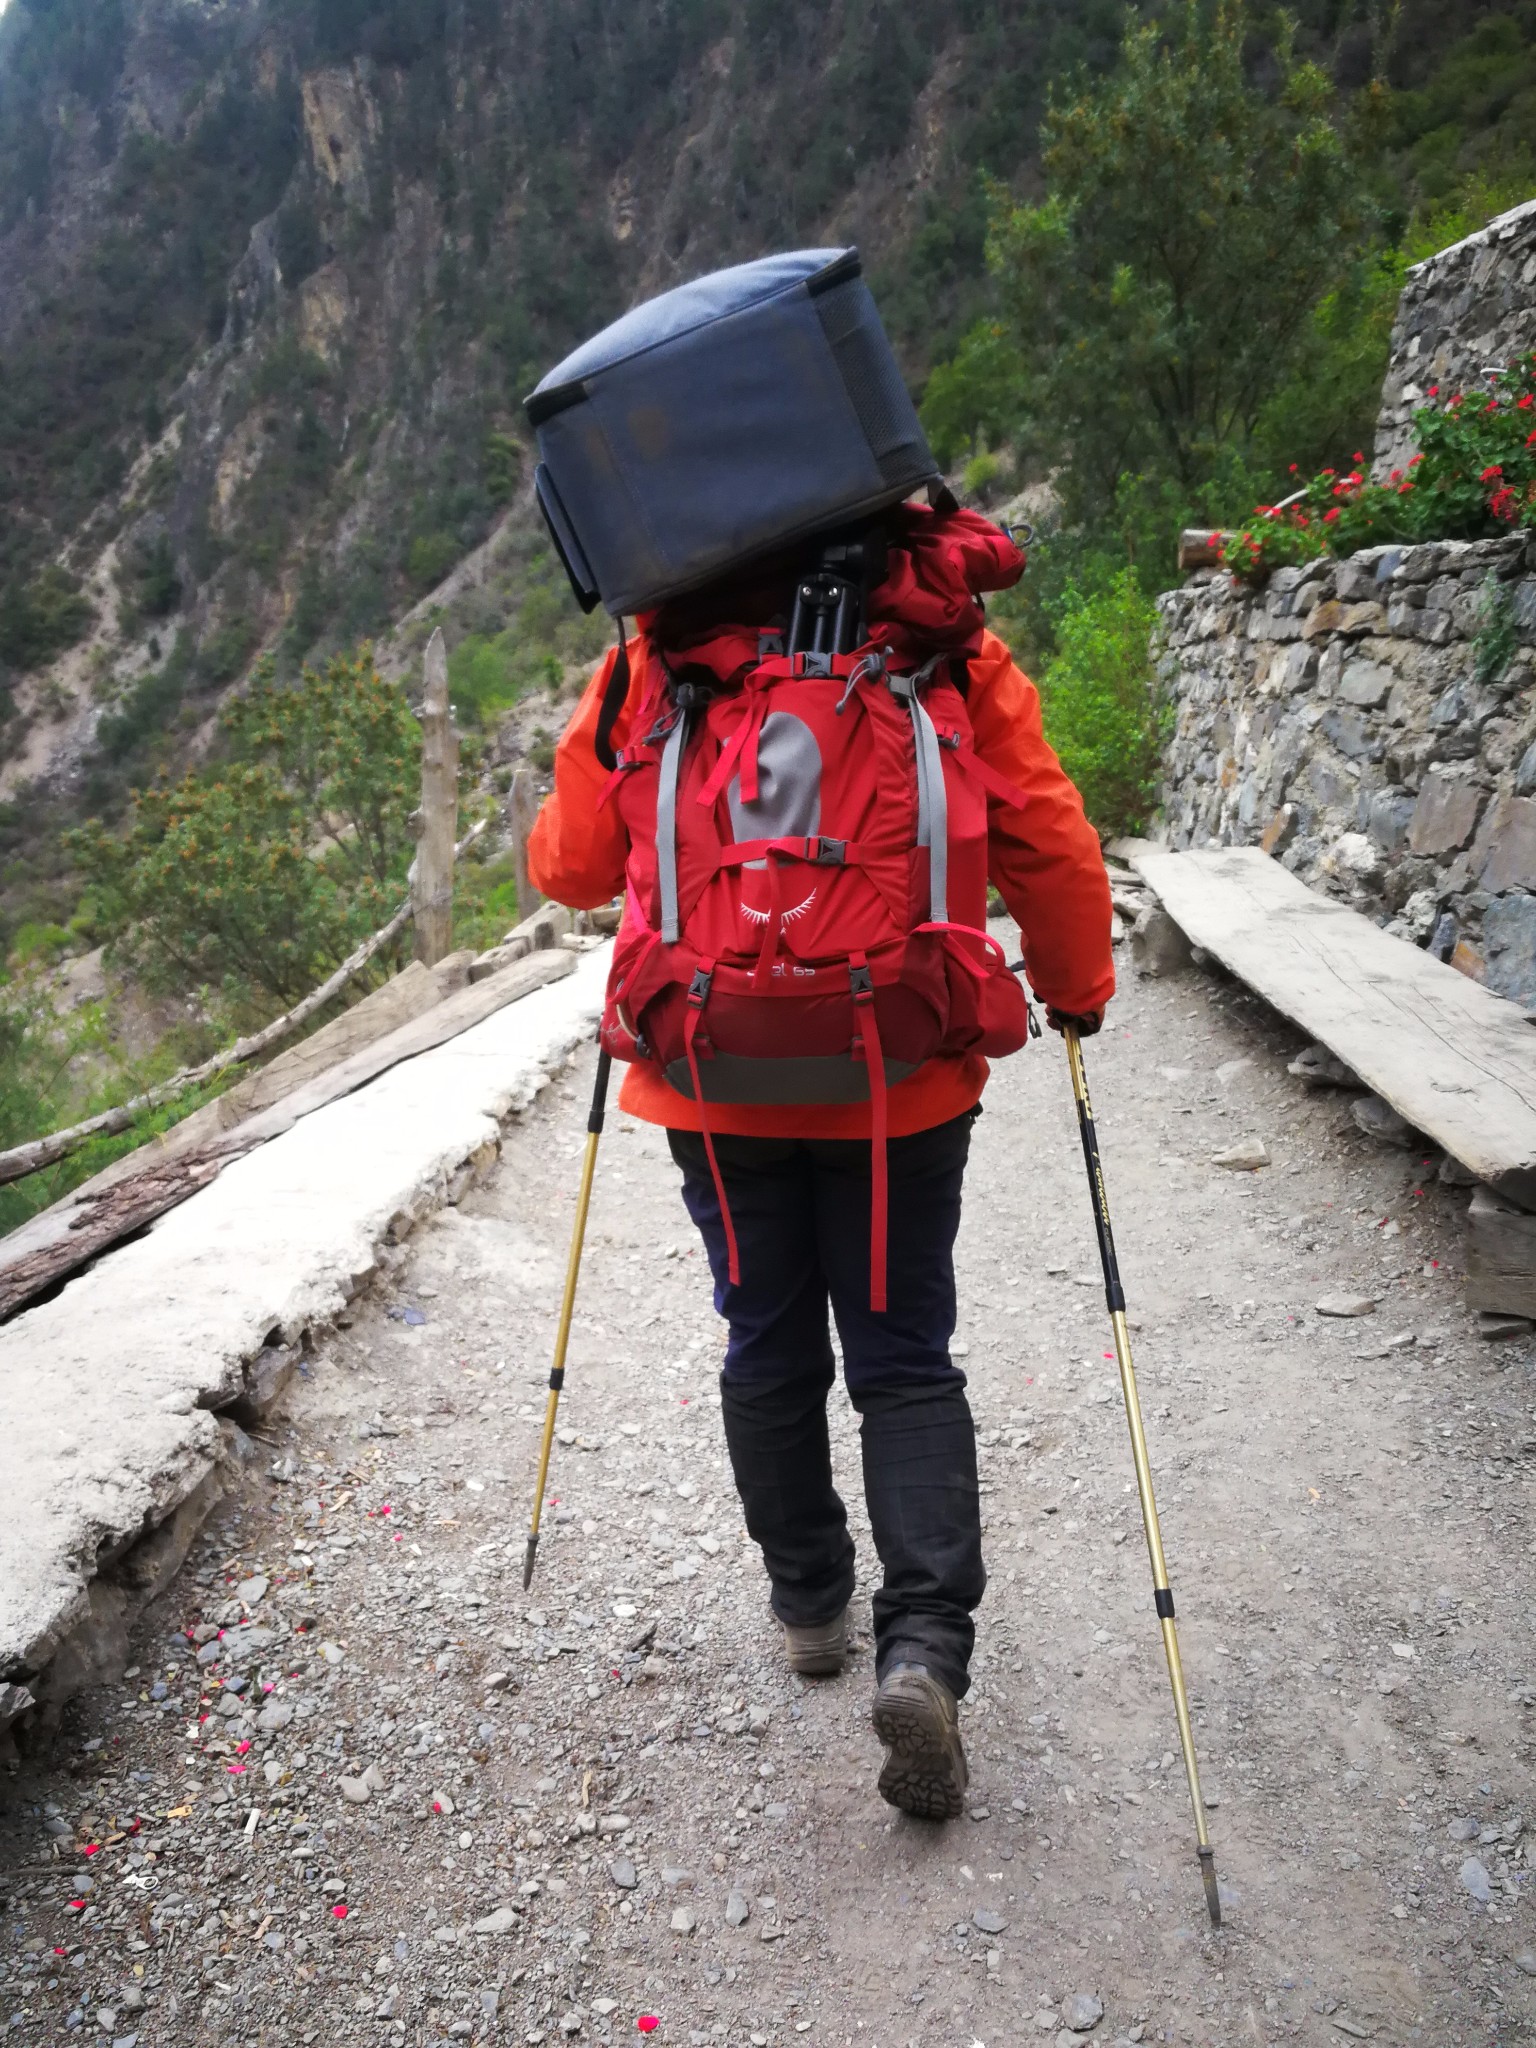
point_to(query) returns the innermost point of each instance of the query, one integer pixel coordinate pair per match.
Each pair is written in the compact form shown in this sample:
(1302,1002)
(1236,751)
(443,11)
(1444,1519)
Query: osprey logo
(787,806)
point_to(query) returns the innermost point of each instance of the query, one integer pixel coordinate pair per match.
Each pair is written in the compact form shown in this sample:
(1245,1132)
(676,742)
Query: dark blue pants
(800,1209)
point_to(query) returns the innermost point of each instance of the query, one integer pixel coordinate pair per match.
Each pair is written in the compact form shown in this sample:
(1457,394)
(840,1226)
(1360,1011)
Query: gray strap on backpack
(932,800)
(666,828)
(932,811)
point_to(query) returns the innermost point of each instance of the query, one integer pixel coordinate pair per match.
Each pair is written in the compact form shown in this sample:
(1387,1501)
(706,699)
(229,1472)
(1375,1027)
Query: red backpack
(806,886)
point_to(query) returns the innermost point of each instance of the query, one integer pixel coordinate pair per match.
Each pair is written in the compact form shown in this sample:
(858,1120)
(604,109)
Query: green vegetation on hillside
(255,877)
(297,297)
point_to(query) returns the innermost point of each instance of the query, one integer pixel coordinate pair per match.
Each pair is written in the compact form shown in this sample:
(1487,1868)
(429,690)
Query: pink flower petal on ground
(77,1905)
(339,1912)
(91,1849)
(647,2023)
(234,1769)
(241,1748)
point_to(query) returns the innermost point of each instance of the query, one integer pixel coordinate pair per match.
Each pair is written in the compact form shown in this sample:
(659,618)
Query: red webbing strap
(969,931)
(991,781)
(741,852)
(628,759)
(879,1177)
(768,951)
(698,996)
(738,747)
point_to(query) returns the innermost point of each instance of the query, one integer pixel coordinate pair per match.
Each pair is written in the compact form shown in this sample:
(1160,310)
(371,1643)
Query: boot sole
(925,1773)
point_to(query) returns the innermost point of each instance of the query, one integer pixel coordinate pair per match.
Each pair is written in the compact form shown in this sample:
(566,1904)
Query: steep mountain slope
(270,310)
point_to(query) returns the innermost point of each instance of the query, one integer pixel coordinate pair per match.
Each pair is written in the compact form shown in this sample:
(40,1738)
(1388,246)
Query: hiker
(799,774)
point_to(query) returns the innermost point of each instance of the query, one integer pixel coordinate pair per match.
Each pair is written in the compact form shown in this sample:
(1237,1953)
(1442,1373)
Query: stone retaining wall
(1372,721)
(1463,312)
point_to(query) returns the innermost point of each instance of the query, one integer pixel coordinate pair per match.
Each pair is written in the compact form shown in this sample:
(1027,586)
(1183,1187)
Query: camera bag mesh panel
(719,422)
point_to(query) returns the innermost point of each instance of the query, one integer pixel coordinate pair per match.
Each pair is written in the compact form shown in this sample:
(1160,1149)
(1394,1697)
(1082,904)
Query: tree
(259,876)
(1155,296)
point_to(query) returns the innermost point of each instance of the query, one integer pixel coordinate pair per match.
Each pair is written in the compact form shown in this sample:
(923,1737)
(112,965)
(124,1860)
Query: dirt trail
(607,1774)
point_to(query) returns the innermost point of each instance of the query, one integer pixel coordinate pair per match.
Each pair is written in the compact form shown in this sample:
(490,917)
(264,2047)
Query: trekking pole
(563,1331)
(1162,1593)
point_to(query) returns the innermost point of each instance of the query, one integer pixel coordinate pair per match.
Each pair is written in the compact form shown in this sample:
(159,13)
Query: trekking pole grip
(1114,1292)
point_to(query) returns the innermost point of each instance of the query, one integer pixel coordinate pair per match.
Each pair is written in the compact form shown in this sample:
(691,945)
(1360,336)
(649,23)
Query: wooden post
(432,882)
(1200,548)
(523,806)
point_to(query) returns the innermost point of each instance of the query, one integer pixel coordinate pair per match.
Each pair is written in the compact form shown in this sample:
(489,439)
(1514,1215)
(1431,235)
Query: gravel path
(359,1789)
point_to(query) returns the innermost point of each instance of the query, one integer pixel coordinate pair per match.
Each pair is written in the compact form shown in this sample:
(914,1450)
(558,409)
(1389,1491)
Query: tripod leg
(1162,1593)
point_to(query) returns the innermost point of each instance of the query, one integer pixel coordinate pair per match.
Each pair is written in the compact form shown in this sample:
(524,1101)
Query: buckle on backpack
(902,688)
(698,988)
(812,665)
(862,984)
(830,853)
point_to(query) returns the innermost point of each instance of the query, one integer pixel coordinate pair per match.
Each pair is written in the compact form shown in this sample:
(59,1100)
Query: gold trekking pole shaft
(1162,1592)
(567,1306)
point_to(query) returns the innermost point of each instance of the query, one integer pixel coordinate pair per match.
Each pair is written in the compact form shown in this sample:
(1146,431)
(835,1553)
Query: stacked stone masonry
(1372,723)
(1462,313)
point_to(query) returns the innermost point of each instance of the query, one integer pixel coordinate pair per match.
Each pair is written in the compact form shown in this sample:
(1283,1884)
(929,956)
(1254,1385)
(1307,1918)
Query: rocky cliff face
(275,274)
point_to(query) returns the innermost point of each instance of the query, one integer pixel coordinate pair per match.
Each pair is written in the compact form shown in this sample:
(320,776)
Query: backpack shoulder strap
(614,697)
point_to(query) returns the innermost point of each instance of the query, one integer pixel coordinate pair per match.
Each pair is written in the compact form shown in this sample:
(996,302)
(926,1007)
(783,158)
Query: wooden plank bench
(1457,1061)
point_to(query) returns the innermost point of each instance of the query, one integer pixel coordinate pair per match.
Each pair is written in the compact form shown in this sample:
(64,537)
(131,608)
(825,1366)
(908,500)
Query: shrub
(260,875)
(42,618)
(430,558)
(487,673)
(501,462)
(981,476)
(1103,714)
(1474,475)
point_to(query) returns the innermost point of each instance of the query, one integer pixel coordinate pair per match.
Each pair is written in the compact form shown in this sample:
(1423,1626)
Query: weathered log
(48,1248)
(1200,547)
(37,1153)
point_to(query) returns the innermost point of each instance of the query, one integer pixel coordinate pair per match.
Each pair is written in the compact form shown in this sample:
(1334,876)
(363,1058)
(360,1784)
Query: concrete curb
(121,1400)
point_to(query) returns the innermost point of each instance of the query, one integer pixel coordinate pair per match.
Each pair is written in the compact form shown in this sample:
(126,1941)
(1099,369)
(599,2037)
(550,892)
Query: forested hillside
(275,274)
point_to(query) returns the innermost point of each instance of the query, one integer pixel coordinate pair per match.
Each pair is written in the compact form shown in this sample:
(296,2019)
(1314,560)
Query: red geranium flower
(1494,469)
(1330,515)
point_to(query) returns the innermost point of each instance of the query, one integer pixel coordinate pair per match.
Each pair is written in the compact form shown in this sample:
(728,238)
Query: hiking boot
(820,1651)
(918,1721)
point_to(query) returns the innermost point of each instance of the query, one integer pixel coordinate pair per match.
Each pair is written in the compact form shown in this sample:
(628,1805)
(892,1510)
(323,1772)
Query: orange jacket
(1044,862)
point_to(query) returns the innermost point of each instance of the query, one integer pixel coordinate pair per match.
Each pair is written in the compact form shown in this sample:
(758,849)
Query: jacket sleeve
(1044,861)
(576,851)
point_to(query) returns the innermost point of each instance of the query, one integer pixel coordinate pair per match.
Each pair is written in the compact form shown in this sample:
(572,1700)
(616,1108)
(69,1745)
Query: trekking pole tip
(528,1557)
(1208,1879)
